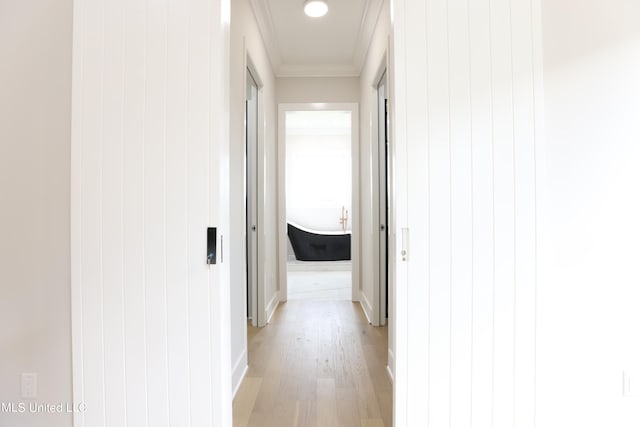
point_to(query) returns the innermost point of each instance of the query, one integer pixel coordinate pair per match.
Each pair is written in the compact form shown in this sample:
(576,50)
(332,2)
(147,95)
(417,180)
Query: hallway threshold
(319,285)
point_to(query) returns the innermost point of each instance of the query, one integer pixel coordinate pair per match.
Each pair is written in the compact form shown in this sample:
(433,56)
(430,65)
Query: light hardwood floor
(318,363)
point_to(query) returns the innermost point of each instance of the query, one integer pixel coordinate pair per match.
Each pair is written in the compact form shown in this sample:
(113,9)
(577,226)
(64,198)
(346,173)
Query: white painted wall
(375,59)
(149,175)
(588,292)
(297,90)
(246,42)
(35,139)
(466,129)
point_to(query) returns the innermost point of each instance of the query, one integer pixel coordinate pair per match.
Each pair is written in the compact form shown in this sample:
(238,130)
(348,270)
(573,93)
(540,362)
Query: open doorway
(319,254)
(383,192)
(251,197)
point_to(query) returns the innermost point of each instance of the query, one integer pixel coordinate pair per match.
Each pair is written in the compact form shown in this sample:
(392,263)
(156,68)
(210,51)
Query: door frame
(380,293)
(258,309)
(355,191)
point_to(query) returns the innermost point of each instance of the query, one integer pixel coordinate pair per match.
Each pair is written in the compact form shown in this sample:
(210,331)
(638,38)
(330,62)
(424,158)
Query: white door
(467,131)
(150,317)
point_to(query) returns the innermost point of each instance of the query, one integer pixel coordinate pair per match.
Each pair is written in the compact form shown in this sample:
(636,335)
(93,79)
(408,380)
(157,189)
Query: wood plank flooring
(317,364)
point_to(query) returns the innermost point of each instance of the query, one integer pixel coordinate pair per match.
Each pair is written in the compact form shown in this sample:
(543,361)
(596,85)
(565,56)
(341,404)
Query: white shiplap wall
(466,87)
(149,175)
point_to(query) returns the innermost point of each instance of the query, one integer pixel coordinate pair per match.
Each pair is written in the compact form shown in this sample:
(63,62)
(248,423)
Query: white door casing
(355,195)
(380,194)
(252,211)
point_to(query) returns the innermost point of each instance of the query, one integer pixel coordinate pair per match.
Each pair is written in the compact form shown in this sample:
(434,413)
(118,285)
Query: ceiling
(334,45)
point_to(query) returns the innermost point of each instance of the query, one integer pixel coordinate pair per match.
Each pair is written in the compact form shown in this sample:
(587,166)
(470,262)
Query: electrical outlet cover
(29,385)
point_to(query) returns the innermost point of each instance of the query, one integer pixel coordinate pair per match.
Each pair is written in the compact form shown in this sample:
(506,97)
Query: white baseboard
(240,368)
(272,306)
(391,364)
(366,307)
(282,295)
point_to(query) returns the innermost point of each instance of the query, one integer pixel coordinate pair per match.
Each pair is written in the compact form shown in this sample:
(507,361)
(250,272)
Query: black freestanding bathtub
(311,246)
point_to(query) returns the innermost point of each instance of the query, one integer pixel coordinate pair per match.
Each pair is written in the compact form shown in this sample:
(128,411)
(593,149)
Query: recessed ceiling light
(315,8)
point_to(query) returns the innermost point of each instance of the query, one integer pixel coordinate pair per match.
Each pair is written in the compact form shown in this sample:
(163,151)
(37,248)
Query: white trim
(391,364)
(389,374)
(365,35)
(248,67)
(379,297)
(281,214)
(355,190)
(262,279)
(367,307)
(258,306)
(398,98)
(324,70)
(262,13)
(364,310)
(240,369)
(272,307)
(222,409)
(249,64)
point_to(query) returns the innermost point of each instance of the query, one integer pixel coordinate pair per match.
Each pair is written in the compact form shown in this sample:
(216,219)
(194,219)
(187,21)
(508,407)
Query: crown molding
(324,70)
(262,13)
(368,23)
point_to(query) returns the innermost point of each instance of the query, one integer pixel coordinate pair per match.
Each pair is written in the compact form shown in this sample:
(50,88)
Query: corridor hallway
(318,363)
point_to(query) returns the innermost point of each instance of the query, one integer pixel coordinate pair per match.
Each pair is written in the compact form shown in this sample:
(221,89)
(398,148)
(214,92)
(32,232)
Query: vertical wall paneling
(461,213)
(439,191)
(482,175)
(468,93)
(525,214)
(92,126)
(133,220)
(149,133)
(154,213)
(417,214)
(197,152)
(132,213)
(112,236)
(504,220)
(177,211)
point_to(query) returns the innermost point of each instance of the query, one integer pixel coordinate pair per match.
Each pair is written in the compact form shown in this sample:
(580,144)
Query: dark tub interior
(308,246)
